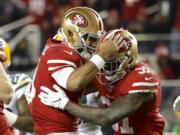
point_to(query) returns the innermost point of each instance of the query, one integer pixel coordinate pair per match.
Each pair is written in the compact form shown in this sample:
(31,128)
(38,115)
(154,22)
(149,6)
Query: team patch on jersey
(78,20)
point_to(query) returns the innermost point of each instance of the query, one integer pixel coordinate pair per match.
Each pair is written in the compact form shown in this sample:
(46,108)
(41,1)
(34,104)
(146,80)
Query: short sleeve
(61,61)
(58,57)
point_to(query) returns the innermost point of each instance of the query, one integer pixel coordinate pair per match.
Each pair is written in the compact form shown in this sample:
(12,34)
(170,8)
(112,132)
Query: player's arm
(83,75)
(80,77)
(24,121)
(120,108)
(5,86)
(73,79)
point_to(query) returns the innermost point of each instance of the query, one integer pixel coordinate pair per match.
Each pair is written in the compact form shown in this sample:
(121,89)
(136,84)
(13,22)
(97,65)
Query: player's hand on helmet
(56,99)
(109,45)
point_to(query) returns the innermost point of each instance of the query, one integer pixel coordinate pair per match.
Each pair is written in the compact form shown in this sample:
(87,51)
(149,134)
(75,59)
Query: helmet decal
(125,44)
(78,20)
(81,29)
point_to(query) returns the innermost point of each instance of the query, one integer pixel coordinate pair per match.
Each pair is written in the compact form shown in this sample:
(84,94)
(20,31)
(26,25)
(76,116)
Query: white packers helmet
(122,61)
(5,46)
(82,28)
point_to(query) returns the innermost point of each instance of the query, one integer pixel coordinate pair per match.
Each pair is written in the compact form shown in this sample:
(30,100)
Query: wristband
(10,116)
(98,61)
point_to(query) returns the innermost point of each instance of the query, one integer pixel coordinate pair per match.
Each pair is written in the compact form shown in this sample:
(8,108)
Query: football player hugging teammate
(130,89)
(70,64)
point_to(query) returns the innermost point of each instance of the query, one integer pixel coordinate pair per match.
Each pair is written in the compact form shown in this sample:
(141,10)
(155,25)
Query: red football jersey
(4,128)
(54,58)
(146,120)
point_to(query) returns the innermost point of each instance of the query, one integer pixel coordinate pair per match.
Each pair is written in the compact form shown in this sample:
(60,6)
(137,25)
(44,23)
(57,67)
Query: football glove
(56,99)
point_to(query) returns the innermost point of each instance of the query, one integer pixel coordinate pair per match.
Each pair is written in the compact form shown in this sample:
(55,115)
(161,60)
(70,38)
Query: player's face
(111,67)
(88,45)
(91,41)
(114,69)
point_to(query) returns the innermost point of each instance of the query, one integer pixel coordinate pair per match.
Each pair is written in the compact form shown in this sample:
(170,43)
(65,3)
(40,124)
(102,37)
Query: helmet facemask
(124,60)
(87,45)
(116,69)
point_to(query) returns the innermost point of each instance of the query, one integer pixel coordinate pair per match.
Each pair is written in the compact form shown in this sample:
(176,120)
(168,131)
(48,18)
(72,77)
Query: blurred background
(27,24)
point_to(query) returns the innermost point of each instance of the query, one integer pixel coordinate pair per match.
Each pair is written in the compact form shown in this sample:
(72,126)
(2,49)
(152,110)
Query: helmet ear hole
(70,33)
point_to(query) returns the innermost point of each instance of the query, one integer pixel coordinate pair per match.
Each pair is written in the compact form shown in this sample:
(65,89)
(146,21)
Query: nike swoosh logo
(148,78)
(70,53)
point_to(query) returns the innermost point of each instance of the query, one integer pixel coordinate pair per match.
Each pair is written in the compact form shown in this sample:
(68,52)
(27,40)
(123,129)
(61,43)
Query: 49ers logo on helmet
(125,44)
(78,20)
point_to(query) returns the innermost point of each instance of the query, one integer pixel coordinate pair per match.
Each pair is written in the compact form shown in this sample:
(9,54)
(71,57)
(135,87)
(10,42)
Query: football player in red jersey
(62,63)
(129,88)
(5,87)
